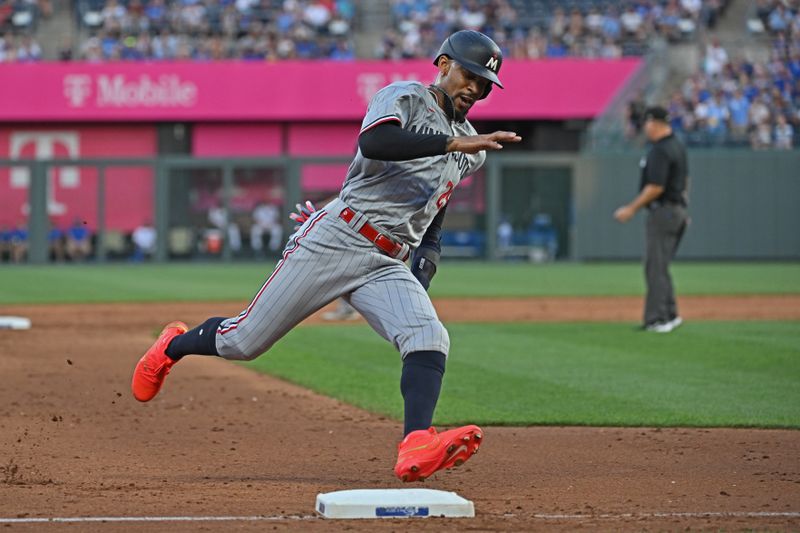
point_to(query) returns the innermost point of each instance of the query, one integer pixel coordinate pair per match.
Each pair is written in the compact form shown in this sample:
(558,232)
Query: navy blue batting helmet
(475,52)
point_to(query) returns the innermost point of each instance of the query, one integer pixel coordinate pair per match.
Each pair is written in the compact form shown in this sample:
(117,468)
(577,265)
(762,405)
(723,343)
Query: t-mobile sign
(290,90)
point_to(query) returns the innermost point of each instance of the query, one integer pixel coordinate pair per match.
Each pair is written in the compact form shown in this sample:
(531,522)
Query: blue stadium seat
(467,243)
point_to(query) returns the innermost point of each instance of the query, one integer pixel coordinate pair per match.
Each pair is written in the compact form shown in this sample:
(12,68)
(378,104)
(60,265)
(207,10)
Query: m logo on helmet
(492,63)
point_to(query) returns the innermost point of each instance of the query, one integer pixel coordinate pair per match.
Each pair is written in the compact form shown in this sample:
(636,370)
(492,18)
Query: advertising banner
(72,192)
(290,90)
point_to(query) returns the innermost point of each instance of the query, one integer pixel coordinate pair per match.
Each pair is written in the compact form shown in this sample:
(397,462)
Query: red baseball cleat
(153,367)
(424,452)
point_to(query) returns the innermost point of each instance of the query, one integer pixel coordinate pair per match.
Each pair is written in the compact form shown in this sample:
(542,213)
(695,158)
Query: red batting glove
(303,213)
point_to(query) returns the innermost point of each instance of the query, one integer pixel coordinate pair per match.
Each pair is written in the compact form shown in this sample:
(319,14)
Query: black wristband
(424,264)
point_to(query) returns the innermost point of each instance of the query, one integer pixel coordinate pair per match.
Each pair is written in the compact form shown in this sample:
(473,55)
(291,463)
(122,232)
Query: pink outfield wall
(243,140)
(72,191)
(291,90)
(212,139)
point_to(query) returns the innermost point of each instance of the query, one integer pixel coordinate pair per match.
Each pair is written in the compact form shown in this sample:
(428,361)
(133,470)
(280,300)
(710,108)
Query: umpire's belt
(661,203)
(383,242)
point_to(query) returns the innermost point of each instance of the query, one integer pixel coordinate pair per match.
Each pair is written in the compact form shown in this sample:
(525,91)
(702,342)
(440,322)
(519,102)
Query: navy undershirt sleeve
(390,142)
(433,235)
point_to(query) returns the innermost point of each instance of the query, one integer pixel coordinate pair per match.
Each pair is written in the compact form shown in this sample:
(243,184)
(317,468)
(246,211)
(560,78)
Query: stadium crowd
(729,101)
(219,29)
(738,102)
(535,29)
(311,29)
(198,30)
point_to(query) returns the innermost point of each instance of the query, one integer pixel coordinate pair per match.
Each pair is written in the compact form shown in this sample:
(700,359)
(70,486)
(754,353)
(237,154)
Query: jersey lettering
(425,130)
(462,162)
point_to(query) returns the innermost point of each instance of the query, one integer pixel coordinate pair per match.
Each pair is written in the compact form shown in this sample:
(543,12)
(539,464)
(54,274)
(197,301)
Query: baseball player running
(415,145)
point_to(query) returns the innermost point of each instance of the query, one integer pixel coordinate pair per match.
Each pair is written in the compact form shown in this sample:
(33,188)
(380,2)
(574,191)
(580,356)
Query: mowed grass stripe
(705,374)
(24,284)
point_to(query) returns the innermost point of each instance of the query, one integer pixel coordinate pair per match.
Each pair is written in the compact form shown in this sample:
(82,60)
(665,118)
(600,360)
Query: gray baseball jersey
(327,258)
(402,197)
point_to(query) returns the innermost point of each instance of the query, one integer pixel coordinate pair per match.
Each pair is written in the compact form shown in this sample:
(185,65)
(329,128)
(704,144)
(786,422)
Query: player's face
(464,87)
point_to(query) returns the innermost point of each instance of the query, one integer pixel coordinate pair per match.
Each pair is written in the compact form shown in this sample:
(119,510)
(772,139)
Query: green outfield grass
(193,282)
(707,374)
(704,374)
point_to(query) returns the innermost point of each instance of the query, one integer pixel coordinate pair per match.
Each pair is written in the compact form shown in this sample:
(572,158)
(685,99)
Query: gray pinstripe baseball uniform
(327,258)
(414,148)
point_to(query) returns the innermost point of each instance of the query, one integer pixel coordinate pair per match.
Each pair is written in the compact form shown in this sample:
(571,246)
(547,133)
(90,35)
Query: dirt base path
(222,441)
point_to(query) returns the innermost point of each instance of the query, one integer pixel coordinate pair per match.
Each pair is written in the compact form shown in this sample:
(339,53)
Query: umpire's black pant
(665,226)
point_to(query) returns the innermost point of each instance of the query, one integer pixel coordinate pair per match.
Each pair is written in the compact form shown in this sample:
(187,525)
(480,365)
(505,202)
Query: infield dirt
(222,440)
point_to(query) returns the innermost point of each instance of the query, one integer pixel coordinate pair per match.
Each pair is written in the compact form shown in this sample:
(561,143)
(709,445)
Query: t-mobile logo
(77,88)
(43,146)
(370,83)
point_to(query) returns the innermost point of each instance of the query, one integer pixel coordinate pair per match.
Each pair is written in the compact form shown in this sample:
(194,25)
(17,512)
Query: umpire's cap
(475,52)
(655,113)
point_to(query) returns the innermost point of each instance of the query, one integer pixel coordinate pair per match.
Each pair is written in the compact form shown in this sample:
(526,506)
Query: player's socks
(201,340)
(420,384)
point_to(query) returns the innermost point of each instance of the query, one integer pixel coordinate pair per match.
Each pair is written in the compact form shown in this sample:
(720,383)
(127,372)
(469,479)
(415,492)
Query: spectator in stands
(631,20)
(759,112)
(761,137)
(711,11)
(717,116)
(144,241)
(5,243)
(156,14)
(779,18)
(556,48)
(594,21)
(505,233)
(763,9)
(692,8)
(612,27)
(55,241)
(669,22)
(28,49)
(715,58)
(219,219)
(113,15)
(784,133)
(7,48)
(739,110)
(471,16)
(18,243)
(266,220)
(91,51)
(65,50)
(558,23)
(316,14)
(676,109)
(610,49)
(79,241)
(342,51)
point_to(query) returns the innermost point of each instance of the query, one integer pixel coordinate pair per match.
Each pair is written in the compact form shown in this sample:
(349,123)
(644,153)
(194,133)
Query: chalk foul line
(258,518)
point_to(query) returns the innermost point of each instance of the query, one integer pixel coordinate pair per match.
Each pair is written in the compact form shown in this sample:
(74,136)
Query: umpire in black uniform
(662,191)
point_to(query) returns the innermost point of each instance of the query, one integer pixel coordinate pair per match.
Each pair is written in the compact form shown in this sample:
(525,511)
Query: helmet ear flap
(487,91)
